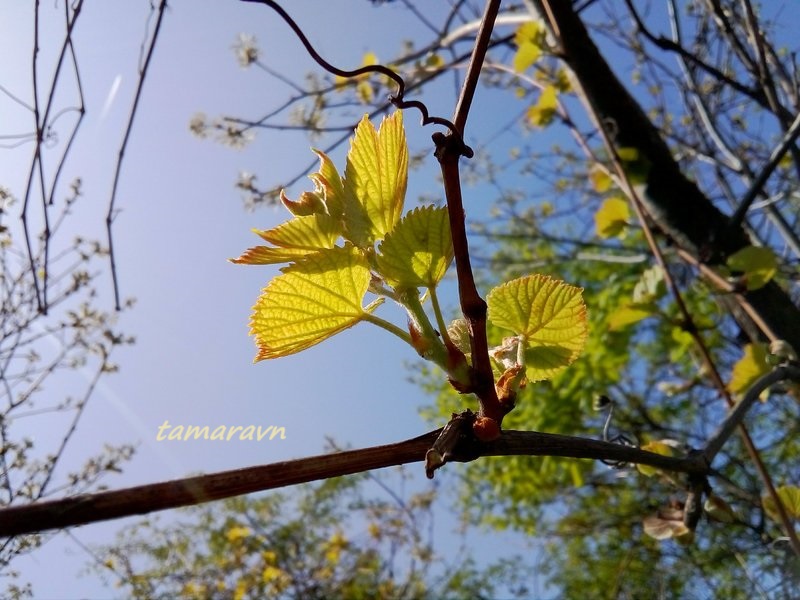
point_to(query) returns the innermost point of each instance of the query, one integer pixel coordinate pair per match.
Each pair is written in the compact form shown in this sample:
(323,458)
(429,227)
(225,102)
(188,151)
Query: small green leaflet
(312,300)
(548,315)
(417,252)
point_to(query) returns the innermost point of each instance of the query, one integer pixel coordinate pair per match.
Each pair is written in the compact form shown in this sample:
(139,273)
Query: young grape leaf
(310,203)
(296,238)
(313,232)
(267,255)
(312,300)
(417,252)
(550,317)
(327,196)
(375,182)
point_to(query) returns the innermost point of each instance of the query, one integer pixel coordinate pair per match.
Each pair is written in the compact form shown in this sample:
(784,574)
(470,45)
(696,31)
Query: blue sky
(180,218)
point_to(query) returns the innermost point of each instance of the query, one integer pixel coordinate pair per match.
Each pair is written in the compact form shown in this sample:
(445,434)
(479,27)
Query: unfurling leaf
(548,315)
(417,252)
(612,218)
(790,498)
(312,300)
(458,332)
(327,196)
(375,180)
(749,368)
(542,113)
(758,265)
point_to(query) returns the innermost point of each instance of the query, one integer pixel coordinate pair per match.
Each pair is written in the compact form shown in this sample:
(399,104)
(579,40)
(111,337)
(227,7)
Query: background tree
(695,130)
(334,539)
(57,335)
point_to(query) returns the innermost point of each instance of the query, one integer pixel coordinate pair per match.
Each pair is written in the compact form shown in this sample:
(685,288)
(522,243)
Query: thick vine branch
(92,508)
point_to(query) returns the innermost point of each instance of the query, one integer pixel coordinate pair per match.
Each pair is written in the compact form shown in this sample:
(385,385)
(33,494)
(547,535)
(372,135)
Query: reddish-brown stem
(448,151)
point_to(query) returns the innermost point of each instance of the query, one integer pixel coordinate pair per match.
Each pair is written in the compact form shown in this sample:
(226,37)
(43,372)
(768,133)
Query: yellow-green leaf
(758,264)
(309,203)
(330,184)
(313,232)
(327,195)
(749,368)
(267,255)
(550,317)
(527,54)
(628,314)
(312,300)
(790,498)
(375,180)
(657,447)
(612,217)
(417,252)
(601,180)
(529,39)
(542,113)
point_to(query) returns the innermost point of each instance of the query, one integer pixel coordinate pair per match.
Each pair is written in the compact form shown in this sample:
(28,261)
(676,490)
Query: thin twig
(758,184)
(736,415)
(117,170)
(398,99)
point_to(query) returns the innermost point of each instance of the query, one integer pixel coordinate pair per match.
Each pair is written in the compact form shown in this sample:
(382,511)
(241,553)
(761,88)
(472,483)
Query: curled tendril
(604,402)
(396,99)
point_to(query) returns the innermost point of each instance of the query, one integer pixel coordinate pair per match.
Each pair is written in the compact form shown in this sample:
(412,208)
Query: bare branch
(737,414)
(118,169)
(92,508)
